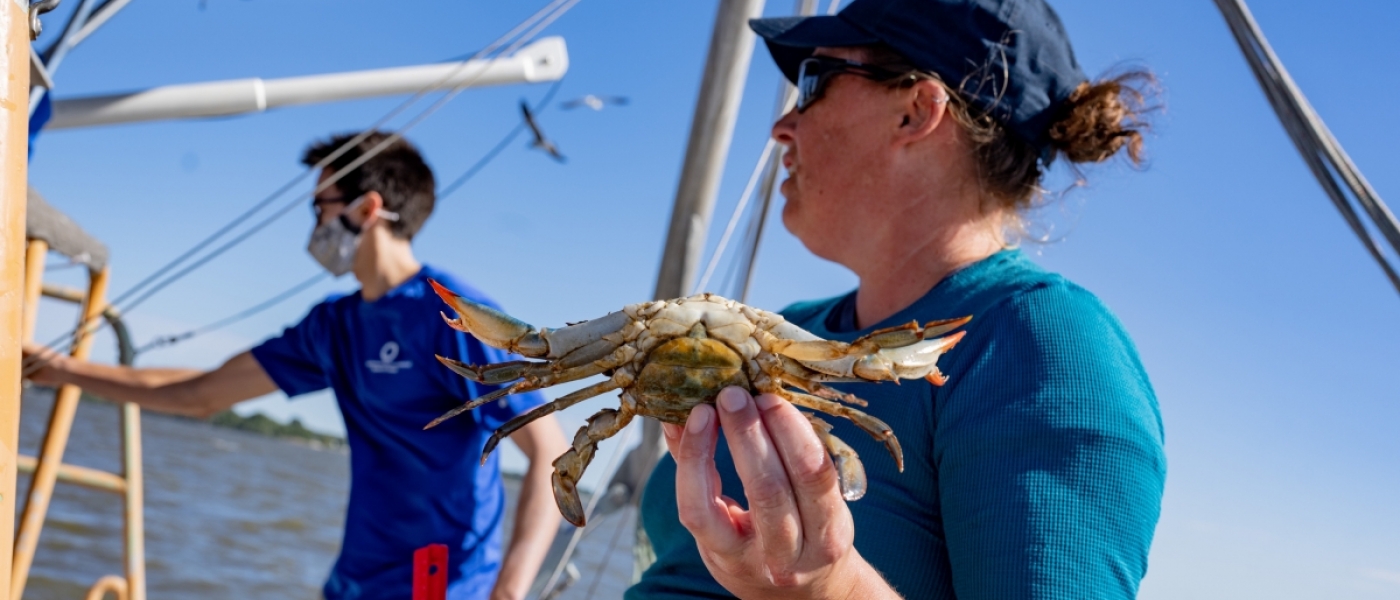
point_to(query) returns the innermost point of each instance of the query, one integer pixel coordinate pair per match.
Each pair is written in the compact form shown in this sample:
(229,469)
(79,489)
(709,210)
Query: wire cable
(531,27)
(758,169)
(500,146)
(170,340)
(336,154)
(1314,141)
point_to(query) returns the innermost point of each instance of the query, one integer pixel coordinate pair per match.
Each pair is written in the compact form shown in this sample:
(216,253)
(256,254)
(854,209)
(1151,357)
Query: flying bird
(595,102)
(540,141)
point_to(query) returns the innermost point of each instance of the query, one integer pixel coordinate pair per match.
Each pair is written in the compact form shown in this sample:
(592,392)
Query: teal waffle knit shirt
(1035,472)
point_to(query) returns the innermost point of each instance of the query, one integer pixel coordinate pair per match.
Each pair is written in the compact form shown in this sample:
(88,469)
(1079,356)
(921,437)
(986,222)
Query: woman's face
(836,150)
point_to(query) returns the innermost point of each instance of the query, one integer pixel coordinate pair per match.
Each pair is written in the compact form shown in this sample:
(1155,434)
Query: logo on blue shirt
(386,362)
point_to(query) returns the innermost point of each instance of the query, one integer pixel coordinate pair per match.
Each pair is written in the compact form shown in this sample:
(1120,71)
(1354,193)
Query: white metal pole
(544,60)
(711,130)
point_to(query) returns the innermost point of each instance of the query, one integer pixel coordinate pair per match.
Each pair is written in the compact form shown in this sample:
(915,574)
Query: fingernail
(671,431)
(733,399)
(767,401)
(698,421)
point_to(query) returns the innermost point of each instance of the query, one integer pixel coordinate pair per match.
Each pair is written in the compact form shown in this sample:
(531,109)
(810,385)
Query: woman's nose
(785,128)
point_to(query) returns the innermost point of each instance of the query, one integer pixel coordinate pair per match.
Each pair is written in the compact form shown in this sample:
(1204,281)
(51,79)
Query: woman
(922,132)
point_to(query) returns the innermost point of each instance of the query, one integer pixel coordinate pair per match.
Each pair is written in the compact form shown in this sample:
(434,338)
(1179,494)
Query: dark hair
(397,172)
(1097,121)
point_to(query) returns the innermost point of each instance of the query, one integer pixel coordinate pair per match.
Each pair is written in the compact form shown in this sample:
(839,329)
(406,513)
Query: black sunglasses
(813,75)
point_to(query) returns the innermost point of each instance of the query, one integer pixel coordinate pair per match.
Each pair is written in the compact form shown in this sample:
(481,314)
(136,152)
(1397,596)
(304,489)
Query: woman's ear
(925,106)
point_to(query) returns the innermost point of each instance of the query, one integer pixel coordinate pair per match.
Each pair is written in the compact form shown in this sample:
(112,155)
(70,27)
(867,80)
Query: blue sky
(1271,337)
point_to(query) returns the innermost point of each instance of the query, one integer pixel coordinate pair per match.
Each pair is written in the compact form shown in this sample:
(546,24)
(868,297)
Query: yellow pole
(34,256)
(135,501)
(55,442)
(14,149)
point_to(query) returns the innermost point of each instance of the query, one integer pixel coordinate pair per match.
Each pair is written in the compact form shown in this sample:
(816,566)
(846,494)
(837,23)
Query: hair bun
(1103,117)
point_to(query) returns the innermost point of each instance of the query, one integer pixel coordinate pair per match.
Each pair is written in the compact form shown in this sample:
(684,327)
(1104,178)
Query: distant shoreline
(264,425)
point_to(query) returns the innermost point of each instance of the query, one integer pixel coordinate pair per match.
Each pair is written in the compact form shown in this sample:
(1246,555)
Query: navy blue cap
(1009,57)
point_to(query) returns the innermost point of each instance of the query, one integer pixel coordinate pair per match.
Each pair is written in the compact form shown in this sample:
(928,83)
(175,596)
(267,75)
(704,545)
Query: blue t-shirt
(1035,472)
(408,487)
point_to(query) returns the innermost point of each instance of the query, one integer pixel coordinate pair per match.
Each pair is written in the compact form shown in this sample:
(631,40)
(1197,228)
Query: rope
(531,26)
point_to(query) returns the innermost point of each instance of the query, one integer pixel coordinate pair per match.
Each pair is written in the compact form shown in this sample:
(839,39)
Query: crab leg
(793,373)
(821,391)
(871,425)
(568,468)
(528,385)
(559,404)
(850,472)
(497,373)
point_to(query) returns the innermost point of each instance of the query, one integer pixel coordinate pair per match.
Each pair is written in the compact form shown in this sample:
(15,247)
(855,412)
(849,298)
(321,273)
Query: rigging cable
(1319,149)
(758,169)
(491,154)
(531,26)
(170,340)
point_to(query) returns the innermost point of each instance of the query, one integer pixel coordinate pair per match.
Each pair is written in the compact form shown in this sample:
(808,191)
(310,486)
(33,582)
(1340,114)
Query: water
(228,514)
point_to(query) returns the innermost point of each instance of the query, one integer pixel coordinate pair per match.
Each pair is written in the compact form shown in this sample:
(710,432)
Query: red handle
(430,572)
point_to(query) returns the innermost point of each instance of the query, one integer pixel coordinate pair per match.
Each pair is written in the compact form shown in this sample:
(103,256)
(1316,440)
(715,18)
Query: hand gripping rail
(49,468)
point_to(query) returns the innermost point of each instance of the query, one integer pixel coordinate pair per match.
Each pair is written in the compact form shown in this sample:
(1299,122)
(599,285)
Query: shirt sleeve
(295,360)
(1049,452)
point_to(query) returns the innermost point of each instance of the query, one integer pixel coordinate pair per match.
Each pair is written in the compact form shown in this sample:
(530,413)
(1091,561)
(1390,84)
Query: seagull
(540,142)
(595,102)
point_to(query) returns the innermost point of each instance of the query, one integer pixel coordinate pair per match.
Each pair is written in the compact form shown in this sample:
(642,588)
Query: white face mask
(333,244)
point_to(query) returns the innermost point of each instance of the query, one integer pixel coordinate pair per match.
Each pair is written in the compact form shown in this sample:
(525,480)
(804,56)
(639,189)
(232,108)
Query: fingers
(773,509)
(703,510)
(815,484)
(672,435)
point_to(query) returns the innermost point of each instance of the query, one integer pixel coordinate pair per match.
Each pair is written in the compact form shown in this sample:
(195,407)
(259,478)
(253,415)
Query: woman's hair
(1099,120)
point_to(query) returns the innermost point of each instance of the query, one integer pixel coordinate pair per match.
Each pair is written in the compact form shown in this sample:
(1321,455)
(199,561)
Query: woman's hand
(795,540)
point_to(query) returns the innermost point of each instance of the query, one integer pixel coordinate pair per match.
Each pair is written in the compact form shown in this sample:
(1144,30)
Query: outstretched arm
(536,516)
(188,392)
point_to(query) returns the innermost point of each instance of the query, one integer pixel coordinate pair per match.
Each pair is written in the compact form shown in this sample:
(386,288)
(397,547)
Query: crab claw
(906,335)
(566,496)
(491,326)
(921,359)
(934,329)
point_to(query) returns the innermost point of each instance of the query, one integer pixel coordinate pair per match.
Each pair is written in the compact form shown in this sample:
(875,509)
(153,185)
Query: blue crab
(668,356)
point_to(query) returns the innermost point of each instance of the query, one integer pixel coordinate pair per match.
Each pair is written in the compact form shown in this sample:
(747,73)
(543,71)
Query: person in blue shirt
(375,349)
(921,134)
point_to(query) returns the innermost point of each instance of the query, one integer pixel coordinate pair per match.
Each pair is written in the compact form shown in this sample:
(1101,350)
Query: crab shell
(666,357)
